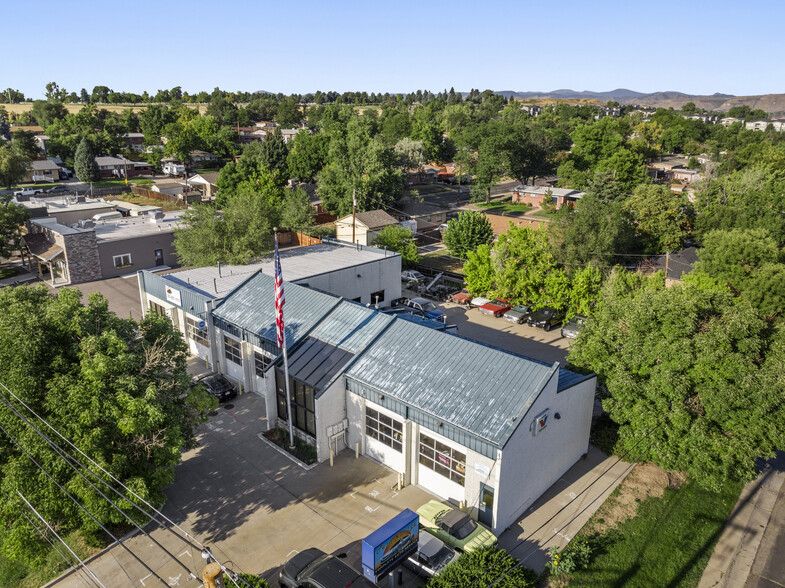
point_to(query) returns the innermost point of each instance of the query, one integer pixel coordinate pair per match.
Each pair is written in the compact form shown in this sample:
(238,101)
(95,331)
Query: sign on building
(173,296)
(388,546)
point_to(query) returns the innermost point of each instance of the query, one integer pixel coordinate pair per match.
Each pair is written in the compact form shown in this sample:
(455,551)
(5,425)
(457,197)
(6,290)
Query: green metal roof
(477,388)
(250,310)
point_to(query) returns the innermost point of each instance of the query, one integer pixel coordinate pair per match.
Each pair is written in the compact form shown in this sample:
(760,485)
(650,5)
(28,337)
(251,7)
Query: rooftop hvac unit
(85,224)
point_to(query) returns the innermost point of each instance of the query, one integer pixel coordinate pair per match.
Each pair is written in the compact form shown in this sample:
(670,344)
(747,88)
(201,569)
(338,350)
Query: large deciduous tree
(12,217)
(690,376)
(85,167)
(115,388)
(13,166)
(661,218)
(399,239)
(467,232)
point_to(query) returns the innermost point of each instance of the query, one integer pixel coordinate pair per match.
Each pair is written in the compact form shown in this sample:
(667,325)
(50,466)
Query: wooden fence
(295,239)
(175,200)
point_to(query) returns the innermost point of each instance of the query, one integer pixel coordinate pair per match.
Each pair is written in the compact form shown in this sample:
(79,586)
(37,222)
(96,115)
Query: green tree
(85,167)
(116,388)
(12,218)
(13,166)
(274,155)
(661,218)
(523,260)
(483,567)
(479,271)
(24,144)
(45,113)
(296,211)
(467,232)
(307,155)
(410,153)
(683,374)
(399,239)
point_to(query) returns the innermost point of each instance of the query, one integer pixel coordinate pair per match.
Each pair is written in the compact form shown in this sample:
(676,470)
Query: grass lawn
(506,206)
(667,543)
(8,272)
(441,261)
(543,214)
(429,189)
(50,566)
(113,183)
(143,201)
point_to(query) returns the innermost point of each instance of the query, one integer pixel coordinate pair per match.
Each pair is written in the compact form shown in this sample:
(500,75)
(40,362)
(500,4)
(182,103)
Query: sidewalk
(741,551)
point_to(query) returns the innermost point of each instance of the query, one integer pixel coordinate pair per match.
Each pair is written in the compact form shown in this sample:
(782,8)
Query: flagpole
(285,358)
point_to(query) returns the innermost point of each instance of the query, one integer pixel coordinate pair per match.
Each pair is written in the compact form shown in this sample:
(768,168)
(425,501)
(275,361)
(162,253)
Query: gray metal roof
(316,363)
(251,308)
(482,390)
(351,326)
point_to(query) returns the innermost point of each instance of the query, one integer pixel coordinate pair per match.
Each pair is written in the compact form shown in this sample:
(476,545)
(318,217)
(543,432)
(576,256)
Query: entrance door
(486,505)
(159,257)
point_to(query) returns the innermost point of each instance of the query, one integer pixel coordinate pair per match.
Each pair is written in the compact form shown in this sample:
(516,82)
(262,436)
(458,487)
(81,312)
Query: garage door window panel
(384,429)
(443,459)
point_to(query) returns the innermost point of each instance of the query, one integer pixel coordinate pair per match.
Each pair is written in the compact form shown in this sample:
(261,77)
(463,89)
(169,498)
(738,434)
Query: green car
(454,527)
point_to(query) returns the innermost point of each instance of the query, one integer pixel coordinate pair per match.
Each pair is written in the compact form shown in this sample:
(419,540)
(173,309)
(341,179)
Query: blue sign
(202,325)
(385,548)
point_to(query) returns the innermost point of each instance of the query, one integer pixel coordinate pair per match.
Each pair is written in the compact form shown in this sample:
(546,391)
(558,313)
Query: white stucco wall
(330,409)
(530,464)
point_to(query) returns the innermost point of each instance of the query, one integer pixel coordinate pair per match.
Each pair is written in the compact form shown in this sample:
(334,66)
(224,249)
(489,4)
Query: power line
(187,538)
(51,529)
(82,508)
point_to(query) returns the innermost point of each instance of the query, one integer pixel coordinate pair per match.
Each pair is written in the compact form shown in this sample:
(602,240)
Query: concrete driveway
(122,294)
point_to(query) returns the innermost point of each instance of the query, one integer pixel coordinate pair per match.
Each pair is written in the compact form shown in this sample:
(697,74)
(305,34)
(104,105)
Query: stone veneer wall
(81,255)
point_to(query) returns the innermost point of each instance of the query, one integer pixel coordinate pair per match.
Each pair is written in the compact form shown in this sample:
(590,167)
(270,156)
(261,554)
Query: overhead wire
(186,537)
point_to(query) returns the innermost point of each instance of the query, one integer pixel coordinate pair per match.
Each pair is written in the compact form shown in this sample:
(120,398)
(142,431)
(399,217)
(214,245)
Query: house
(709,119)
(762,125)
(42,171)
(685,176)
(289,134)
(612,111)
(675,265)
(472,424)
(66,209)
(207,184)
(426,174)
(42,142)
(367,226)
(427,216)
(172,167)
(169,187)
(265,124)
(532,109)
(247,135)
(93,250)
(134,141)
(34,129)
(536,195)
(201,158)
(729,120)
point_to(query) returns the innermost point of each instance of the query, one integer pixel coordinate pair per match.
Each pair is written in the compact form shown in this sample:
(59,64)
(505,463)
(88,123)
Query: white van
(102,216)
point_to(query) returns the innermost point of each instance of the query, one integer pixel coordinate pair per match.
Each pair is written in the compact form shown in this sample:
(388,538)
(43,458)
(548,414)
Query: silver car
(518,314)
(432,555)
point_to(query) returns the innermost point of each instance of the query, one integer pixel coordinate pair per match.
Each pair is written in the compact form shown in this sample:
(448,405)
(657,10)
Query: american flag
(279,297)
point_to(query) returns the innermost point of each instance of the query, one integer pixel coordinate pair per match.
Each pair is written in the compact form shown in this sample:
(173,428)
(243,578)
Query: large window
(157,309)
(383,428)
(232,350)
(377,297)
(443,459)
(195,332)
(302,398)
(122,260)
(261,363)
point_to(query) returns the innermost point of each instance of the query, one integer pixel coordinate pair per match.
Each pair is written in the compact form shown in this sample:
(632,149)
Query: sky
(695,47)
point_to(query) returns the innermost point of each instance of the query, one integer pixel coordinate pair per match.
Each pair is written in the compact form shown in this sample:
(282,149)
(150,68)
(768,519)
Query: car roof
(454,518)
(429,545)
(420,300)
(333,572)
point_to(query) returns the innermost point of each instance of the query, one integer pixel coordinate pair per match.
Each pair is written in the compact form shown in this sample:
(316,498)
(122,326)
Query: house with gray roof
(365,226)
(475,425)
(536,195)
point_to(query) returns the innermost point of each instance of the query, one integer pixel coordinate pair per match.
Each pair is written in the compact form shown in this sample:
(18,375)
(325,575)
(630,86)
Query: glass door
(486,505)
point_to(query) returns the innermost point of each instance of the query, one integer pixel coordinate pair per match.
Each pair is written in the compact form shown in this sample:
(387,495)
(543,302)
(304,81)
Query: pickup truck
(28,192)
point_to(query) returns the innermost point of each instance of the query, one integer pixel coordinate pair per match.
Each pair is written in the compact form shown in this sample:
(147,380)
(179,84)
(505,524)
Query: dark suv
(545,318)
(217,385)
(313,568)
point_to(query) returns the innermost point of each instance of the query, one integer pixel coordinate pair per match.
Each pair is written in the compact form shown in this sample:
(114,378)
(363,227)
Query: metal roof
(480,389)
(251,309)
(351,326)
(316,363)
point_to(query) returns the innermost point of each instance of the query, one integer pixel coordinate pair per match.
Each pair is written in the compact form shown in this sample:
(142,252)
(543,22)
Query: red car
(462,297)
(496,307)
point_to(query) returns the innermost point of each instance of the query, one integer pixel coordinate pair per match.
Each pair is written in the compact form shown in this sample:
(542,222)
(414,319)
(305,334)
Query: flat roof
(136,226)
(297,264)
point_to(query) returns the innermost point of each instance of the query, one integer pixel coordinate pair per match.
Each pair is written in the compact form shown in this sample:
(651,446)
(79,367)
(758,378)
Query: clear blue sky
(696,47)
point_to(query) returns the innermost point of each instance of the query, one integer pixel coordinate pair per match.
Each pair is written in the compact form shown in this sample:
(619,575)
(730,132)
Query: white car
(412,275)
(432,556)
(479,301)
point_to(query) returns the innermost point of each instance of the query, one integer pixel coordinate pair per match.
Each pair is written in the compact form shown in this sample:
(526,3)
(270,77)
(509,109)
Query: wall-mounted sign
(388,546)
(482,470)
(173,296)
(540,422)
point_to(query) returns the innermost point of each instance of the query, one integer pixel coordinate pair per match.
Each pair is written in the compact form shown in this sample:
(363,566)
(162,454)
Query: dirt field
(25,107)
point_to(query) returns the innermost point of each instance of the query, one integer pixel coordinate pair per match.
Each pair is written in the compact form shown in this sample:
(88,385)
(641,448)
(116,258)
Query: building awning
(316,363)
(40,247)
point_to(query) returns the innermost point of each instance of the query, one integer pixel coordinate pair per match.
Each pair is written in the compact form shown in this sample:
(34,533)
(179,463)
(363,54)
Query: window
(383,428)
(302,399)
(232,350)
(195,332)
(443,459)
(122,260)
(157,309)
(377,297)
(261,363)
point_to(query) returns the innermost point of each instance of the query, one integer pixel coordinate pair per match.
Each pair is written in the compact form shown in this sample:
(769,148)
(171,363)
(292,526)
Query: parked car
(432,556)
(518,313)
(57,190)
(217,385)
(574,325)
(426,307)
(479,301)
(496,307)
(412,276)
(462,297)
(28,192)
(545,318)
(454,527)
(313,568)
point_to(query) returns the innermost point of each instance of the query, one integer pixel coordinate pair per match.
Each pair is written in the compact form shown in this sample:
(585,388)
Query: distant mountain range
(772,103)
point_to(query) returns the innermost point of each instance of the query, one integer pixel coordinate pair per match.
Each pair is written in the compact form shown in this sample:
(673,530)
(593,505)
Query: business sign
(173,296)
(388,546)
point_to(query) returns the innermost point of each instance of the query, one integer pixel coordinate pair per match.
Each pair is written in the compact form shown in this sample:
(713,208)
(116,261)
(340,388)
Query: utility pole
(667,259)
(354,205)
(212,575)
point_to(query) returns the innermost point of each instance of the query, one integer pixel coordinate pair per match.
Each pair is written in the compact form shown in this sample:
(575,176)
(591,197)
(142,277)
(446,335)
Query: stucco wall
(142,250)
(383,274)
(330,409)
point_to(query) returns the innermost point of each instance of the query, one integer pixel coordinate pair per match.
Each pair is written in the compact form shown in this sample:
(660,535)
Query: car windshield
(547,313)
(428,306)
(521,308)
(497,302)
(465,529)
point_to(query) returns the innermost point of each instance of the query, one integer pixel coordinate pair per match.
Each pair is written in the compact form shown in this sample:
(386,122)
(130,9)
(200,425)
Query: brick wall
(81,255)
(500,223)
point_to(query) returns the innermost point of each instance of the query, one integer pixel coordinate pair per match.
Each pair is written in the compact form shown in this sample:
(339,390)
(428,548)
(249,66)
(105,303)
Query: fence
(175,200)
(297,239)
(110,191)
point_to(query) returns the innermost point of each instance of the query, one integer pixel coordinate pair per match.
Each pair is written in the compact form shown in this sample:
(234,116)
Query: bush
(303,451)
(252,581)
(482,567)
(573,557)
